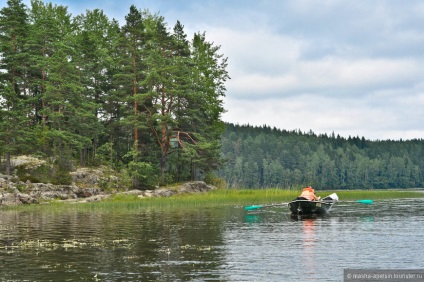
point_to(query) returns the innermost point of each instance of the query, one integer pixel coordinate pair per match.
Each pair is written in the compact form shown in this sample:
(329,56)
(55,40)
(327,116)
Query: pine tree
(15,136)
(14,103)
(96,38)
(66,81)
(161,97)
(13,36)
(182,89)
(42,36)
(67,117)
(205,105)
(130,76)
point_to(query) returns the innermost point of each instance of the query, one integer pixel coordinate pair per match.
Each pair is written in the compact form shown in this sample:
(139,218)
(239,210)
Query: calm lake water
(210,244)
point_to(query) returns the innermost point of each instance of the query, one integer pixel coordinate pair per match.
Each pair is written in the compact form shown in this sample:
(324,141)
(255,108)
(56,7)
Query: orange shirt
(309,194)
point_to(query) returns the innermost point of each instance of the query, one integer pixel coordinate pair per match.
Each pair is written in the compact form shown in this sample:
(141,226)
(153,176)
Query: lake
(209,244)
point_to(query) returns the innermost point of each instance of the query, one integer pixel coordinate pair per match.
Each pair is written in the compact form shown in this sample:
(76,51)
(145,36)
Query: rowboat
(303,206)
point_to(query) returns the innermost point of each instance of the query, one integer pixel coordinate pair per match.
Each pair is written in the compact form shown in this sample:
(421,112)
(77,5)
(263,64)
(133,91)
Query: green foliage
(262,157)
(56,173)
(148,101)
(60,174)
(143,174)
(39,174)
(212,179)
(104,153)
(21,187)
(84,89)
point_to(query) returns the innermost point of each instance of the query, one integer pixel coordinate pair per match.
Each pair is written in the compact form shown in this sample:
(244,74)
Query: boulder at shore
(88,185)
(42,192)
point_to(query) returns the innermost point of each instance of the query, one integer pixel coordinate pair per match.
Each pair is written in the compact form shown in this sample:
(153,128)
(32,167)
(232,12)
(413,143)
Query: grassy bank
(221,198)
(268,196)
(265,196)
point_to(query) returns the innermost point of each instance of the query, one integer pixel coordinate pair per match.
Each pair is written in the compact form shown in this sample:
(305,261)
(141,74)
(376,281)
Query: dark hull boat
(303,206)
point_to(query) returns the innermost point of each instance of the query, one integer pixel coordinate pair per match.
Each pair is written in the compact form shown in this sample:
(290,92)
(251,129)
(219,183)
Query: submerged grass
(218,198)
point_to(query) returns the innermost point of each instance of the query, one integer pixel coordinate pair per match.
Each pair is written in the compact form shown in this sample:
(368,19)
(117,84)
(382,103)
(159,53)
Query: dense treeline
(145,99)
(85,90)
(268,157)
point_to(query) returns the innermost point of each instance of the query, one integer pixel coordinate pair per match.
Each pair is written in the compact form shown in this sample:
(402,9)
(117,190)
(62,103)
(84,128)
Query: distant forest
(264,157)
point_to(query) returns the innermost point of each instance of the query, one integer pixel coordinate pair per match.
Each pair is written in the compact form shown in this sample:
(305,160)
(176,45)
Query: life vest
(308,193)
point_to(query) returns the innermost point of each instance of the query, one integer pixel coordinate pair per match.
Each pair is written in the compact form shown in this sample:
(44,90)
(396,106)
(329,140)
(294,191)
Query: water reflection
(252,218)
(151,245)
(309,241)
(221,244)
(367,218)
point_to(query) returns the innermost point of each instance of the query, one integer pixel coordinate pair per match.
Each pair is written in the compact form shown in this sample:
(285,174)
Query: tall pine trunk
(7,169)
(164,151)
(163,166)
(164,137)
(135,102)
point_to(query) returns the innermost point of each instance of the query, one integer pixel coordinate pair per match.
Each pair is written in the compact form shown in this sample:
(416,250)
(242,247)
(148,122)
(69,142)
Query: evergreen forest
(264,157)
(146,100)
(85,91)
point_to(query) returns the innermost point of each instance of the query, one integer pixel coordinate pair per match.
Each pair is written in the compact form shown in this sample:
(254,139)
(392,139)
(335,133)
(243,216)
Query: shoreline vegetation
(105,106)
(217,198)
(141,96)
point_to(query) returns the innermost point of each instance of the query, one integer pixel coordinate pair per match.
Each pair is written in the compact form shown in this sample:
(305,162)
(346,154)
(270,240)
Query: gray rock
(50,191)
(195,187)
(26,199)
(9,199)
(97,198)
(36,192)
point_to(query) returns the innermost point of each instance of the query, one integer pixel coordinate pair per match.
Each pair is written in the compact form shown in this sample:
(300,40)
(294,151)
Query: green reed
(217,198)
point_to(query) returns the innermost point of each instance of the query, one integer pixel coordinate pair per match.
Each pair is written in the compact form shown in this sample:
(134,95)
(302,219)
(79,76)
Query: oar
(256,207)
(366,202)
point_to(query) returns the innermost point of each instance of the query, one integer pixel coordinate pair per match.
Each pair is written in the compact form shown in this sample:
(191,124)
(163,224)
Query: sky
(355,68)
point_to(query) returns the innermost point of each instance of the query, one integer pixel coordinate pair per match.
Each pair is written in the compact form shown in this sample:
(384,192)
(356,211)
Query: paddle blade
(251,208)
(366,202)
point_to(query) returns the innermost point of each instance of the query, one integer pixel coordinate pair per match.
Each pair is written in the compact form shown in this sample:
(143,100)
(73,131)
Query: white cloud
(347,117)
(265,64)
(330,73)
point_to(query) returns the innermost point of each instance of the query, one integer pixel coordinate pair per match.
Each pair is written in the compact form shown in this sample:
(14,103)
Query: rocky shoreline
(71,193)
(87,186)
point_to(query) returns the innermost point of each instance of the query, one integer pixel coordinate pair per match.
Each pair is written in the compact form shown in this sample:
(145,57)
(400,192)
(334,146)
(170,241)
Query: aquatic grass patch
(214,198)
(67,244)
(228,197)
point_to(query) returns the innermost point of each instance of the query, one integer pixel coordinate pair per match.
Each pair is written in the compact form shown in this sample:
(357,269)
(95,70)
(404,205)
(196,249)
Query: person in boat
(308,193)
